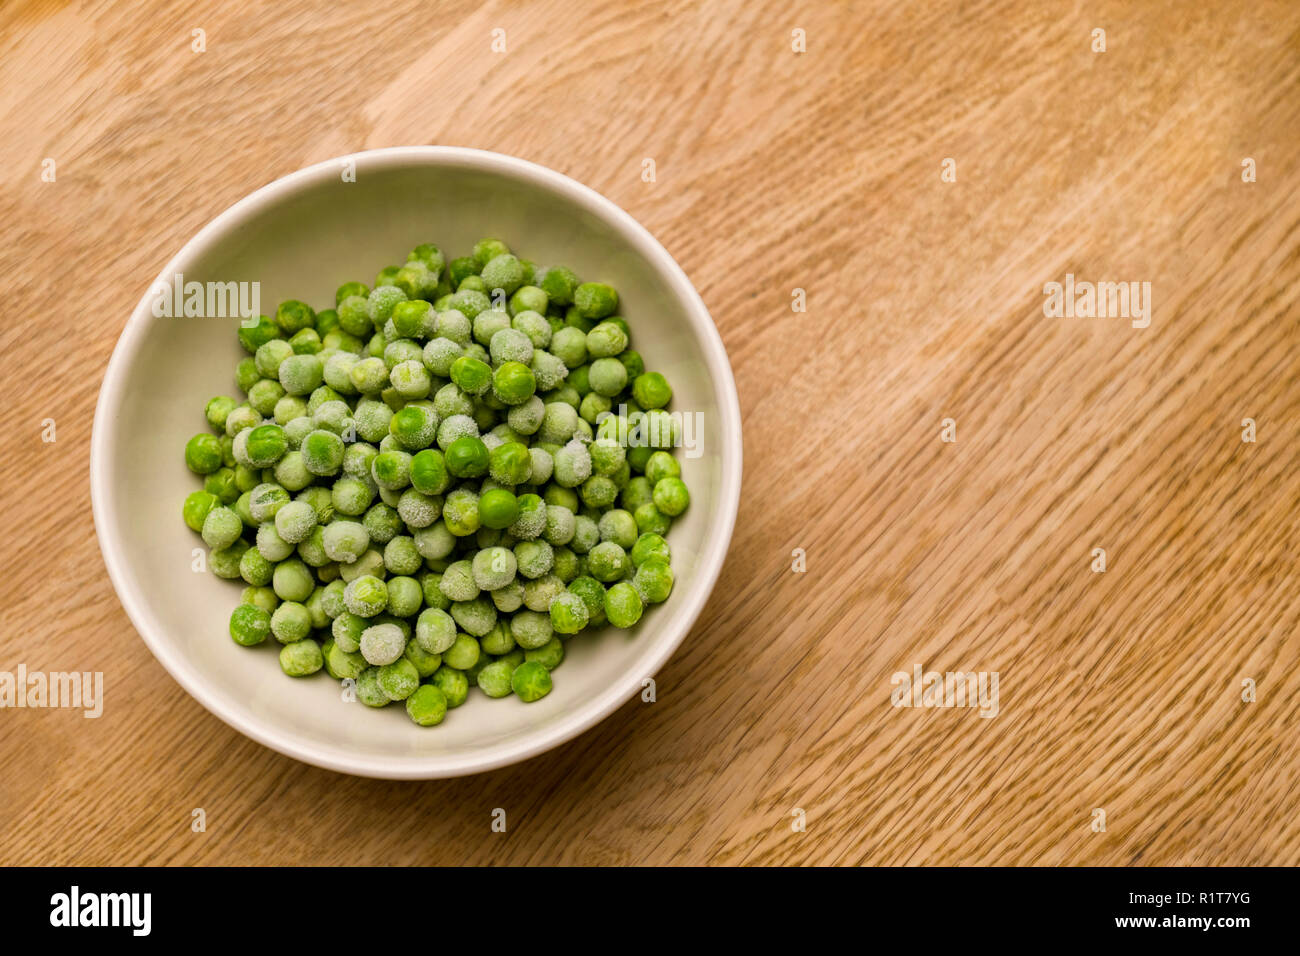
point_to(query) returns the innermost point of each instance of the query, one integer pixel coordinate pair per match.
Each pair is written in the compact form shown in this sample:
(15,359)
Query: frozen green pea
(513,382)
(371,419)
(548,372)
(661,465)
(623,605)
(265,395)
(216,410)
(382,644)
(288,408)
(262,597)
(366,596)
(398,679)
(653,580)
(619,527)
(559,283)
(435,630)
(370,563)
(607,376)
(592,593)
(608,562)
(435,542)
(550,655)
(221,528)
(344,665)
(504,272)
(352,496)
(510,598)
(607,456)
(567,564)
(485,250)
(531,629)
(368,690)
(499,640)
(270,355)
(295,521)
(671,496)
(455,325)
(301,658)
(463,653)
(426,664)
(404,596)
(541,591)
(249,625)
(455,427)
(559,422)
(460,512)
(203,454)
(391,470)
(332,599)
(255,569)
(453,684)
(606,340)
(427,706)
(291,472)
(401,556)
(531,681)
(532,323)
(494,568)
(649,519)
(568,613)
(599,492)
(494,679)
(198,504)
(291,622)
(241,418)
(224,562)
(293,316)
(469,302)
(586,534)
(595,300)
(292,580)
(650,545)
(572,464)
(534,557)
(651,390)
(347,630)
(475,617)
(414,426)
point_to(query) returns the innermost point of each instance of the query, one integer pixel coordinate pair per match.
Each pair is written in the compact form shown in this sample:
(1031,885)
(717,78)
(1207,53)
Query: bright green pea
(197,506)
(427,706)
(203,454)
(249,625)
(467,457)
(671,496)
(531,681)
(623,605)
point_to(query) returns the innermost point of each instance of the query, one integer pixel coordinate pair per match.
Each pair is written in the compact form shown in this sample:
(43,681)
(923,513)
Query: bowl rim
(587,713)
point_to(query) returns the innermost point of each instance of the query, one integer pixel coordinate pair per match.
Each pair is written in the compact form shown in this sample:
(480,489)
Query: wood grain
(1118,690)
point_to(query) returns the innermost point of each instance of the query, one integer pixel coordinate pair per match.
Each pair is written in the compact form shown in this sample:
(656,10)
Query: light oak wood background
(1119,690)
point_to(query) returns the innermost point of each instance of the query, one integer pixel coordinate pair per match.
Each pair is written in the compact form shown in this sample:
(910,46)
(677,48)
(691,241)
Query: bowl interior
(300,238)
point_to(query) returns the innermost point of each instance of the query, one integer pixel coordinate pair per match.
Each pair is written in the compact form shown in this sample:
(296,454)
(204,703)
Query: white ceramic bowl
(300,237)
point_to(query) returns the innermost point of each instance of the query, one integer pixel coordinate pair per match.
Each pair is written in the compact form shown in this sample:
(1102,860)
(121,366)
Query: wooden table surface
(1120,691)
